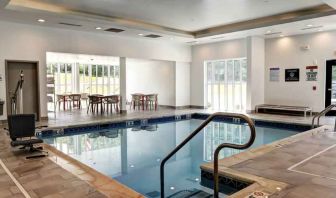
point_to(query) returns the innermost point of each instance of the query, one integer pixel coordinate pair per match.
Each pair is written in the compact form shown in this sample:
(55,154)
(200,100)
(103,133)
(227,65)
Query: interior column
(123,82)
(255,72)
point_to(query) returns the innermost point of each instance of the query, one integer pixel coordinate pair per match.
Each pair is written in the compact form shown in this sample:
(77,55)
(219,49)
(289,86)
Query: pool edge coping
(103,183)
(258,183)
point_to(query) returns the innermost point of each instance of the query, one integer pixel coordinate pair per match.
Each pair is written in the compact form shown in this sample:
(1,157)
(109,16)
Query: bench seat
(284,108)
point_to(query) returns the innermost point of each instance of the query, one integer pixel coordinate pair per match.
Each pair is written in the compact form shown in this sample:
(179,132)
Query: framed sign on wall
(292,75)
(274,74)
(311,72)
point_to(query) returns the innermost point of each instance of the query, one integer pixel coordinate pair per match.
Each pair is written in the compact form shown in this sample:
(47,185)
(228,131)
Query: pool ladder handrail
(218,149)
(322,113)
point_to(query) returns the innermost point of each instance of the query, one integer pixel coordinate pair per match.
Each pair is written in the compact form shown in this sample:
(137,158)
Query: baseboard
(44,118)
(123,111)
(197,107)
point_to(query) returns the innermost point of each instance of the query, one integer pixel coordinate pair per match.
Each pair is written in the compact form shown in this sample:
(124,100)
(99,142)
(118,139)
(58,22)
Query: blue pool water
(133,155)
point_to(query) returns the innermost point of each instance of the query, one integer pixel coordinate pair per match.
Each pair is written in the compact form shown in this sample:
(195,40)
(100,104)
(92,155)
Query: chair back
(136,97)
(94,99)
(75,97)
(151,97)
(112,99)
(59,97)
(21,125)
(84,96)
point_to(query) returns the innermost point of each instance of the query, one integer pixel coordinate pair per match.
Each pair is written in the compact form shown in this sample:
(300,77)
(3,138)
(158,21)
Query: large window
(225,87)
(86,78)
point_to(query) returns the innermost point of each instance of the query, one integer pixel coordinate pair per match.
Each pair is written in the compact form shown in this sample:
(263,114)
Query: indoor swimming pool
(133,155)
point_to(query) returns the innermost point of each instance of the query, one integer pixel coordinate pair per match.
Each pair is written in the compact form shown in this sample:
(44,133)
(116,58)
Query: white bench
(284,108)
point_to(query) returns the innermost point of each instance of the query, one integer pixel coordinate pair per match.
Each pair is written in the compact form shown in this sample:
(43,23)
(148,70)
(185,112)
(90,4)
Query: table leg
(101,107)
(63,103)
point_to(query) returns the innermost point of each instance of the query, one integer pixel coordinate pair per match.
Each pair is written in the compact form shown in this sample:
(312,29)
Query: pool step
(192,193)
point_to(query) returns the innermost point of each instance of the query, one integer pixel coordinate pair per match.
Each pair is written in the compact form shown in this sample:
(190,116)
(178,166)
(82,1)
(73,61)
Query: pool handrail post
(234,146)
(323,112)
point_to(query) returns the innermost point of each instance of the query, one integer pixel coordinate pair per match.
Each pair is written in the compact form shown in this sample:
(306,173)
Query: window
(86,78)
(63,77)
(225,87)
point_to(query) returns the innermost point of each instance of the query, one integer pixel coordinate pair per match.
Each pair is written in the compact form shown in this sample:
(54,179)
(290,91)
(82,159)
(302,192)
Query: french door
(225,87)
(330,91)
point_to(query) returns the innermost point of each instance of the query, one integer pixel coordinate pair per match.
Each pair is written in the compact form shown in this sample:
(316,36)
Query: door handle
(329,89)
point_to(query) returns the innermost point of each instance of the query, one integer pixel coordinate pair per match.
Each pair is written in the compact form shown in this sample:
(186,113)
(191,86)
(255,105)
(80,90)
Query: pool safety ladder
(247,119)
(322,113)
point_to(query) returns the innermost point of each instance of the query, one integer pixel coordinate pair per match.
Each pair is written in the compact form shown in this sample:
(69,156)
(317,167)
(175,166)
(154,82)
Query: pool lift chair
(22,132)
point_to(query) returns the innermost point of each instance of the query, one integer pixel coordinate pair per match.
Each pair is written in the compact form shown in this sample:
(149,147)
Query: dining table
(144,99)
(64,97)
(103,97)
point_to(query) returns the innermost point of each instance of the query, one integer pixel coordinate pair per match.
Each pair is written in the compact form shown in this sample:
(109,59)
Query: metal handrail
(319,115)
(195,132)
(234,146)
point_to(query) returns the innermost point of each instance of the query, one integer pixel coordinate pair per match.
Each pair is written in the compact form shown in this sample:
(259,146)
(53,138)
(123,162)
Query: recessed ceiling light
(319,30)
(140,34)
(281,35)
(41,20)
(268,32)
(98,28)
(309,25)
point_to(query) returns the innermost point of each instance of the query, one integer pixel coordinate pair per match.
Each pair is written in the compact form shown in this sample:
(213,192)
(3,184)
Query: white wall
(287,53)
(26,42)
(212,51)
(151,76)
(182,84)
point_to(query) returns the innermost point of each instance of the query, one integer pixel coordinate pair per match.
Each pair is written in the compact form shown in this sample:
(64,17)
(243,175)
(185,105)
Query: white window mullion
(226,87)
(212,85)
(90,75)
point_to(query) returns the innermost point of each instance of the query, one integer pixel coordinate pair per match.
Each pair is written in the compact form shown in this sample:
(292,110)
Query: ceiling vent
(273,33)
(314,27)
(114,30)
(153,36)
(70,24)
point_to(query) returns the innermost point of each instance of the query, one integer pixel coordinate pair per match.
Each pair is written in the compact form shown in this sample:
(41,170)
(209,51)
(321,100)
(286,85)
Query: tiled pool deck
(61,176)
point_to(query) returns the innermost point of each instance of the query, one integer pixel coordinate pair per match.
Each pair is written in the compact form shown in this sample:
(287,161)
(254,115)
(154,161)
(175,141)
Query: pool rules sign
(311,73)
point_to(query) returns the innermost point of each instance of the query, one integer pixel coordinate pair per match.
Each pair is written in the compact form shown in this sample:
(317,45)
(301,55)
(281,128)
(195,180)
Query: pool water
(133,155)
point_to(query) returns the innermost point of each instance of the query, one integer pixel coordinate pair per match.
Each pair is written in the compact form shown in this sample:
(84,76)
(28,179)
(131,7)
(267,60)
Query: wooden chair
(59,100)
(76,100)
(137,101)
(85,97)
(112,101)
(152,101)
(94,102)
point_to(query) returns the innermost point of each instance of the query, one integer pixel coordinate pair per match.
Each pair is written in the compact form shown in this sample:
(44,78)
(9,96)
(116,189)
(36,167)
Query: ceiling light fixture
(281,35)
(98,28)
(319,30)
(309,25)
(268,32)
(41,20)
(140,34)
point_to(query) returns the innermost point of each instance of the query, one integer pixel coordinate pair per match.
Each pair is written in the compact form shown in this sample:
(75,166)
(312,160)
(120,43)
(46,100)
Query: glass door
(330,92)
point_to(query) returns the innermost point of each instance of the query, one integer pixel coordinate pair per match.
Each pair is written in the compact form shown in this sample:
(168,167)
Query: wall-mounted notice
(292,75)
(311,72)
(275,74)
